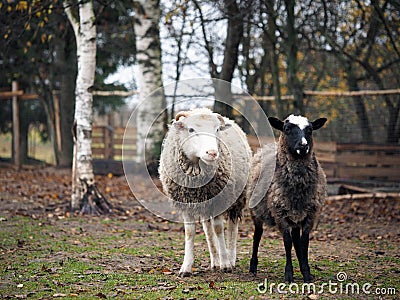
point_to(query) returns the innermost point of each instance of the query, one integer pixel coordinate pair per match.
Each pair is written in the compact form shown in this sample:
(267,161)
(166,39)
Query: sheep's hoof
(254,272)
(227,270)
(289,274)
(185,274)
(289,278)
(253,266)
(308,278)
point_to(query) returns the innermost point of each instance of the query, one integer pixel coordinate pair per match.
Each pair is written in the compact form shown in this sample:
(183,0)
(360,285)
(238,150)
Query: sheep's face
(198,135)
(297,131)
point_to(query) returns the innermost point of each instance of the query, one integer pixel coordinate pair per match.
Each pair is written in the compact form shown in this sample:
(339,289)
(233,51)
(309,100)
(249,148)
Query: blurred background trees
(279,49)
(38,50)
(288,47)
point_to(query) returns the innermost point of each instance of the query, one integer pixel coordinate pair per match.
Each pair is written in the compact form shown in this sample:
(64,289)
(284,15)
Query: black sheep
(296,194)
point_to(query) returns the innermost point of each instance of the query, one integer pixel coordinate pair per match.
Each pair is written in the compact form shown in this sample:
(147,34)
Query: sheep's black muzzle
(301,150)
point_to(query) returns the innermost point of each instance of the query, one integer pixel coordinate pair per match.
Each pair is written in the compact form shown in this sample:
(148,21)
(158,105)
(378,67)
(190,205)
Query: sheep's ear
(276,123)
(178,125)
(224,127)
(181,114)
(318,123)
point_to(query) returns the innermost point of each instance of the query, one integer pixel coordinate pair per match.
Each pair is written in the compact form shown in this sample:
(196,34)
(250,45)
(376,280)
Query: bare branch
(209,48)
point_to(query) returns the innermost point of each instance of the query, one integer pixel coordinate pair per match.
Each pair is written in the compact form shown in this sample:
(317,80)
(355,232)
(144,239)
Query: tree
(61,73)
(233,12)
(39,50)
(364,38)
(294,84)
(180,26)
(270,47)
(115,46)
(384,29)
(260,55)
(43,64)
(22,32)
(151,112)
(85,194)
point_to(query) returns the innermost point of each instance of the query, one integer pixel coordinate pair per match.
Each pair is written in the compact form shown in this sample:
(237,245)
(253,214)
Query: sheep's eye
(191,130)
(307,130)
(287,129)
(217,129)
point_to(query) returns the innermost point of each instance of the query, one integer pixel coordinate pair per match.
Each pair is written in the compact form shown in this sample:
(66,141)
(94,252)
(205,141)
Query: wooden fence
(353,161)
(107,143)
(347,161)
(360,161)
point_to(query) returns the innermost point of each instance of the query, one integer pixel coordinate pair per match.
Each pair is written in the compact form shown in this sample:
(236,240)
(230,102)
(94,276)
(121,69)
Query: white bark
(85,33)
(148,56)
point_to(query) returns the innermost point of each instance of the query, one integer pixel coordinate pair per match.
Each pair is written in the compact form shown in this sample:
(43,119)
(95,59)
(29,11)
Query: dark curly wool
(292,202)
(297,190)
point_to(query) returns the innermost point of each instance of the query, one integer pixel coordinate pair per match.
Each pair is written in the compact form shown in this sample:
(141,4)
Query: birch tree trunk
(85,195)
(151,114)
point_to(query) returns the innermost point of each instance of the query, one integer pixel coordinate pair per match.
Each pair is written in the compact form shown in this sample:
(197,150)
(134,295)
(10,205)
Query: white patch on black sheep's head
(198,132)
(297,131)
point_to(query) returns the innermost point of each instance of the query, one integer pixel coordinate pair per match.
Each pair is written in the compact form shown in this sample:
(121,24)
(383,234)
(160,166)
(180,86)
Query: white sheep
(296,194)
(204,167)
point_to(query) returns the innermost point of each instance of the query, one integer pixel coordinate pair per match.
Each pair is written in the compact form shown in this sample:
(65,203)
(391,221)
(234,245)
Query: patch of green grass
(5,148)
(37,149)
(92,258)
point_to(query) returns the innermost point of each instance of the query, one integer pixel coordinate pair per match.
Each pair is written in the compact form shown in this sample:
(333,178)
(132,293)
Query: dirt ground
(356,235)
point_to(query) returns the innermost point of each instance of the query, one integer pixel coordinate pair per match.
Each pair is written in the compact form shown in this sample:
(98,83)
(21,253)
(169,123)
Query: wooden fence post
(108,140)
(16,127)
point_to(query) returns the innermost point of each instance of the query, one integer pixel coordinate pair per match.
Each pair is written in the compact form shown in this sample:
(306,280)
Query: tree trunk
(233,37)
(361,111)
(392,135)
(85,196)
(67,59)
(270,47)
(294,84)
(49,109)
(151,113)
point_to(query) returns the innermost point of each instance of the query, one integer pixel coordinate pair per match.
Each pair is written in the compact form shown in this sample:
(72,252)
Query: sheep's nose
(212,153)
(303,149)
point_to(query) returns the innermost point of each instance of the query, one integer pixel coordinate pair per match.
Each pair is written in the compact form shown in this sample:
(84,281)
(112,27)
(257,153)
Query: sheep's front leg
(231,239)
(223,253)
(304,243)
(296,243)
(212,242)
(258,231)
(190,230)
(287,241)
(301,247)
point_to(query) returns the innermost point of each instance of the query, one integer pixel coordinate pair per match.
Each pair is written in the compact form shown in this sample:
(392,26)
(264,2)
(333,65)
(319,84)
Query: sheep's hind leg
(212,242)
(190,230)
(258,231)
(223,253)
(231,239)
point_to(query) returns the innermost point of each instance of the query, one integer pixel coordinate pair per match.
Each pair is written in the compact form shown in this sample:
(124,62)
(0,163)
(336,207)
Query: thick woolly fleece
(230,174)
